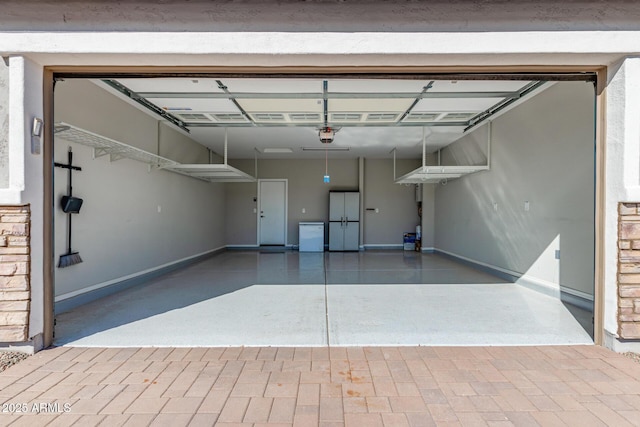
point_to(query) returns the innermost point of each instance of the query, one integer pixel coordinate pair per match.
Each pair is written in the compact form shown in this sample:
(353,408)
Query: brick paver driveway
(371,386)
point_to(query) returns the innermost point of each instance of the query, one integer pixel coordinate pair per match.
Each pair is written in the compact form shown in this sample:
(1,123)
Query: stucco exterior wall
(622,177)
(320,15)
(4,125)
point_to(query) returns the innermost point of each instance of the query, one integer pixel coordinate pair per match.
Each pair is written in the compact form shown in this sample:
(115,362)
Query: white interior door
(272,217)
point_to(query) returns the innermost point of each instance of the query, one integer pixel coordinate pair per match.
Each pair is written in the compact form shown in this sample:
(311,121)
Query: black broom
(70,205)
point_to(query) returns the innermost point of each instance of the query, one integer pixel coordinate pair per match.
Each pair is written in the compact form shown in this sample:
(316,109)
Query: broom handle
(68,233)
(70,158)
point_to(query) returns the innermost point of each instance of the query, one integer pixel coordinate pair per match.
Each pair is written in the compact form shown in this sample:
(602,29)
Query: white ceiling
(371,116)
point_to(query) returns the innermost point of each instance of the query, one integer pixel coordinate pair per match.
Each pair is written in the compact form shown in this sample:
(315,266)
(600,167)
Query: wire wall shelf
(116,150)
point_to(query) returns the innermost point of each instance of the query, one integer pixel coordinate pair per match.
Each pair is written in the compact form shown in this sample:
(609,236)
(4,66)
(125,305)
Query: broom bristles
(70,259)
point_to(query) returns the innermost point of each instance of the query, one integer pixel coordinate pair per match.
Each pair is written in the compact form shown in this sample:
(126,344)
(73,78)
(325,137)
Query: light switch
(304,210)
(255,210)
(495,206)
(159,208)
(377,210)
(526,206)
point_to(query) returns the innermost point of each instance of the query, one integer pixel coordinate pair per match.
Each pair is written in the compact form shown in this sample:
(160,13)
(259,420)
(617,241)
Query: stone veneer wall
(14,273)
(629,270)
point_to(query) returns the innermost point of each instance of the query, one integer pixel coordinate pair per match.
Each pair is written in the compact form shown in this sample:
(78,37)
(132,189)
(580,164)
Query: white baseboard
(242,246)
(382,246)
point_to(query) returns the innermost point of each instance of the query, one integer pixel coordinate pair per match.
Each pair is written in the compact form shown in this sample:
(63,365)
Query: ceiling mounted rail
(325,103)
(146,103)
(197,117)
(475,121)
(231,98)
(415,102)
(342,124)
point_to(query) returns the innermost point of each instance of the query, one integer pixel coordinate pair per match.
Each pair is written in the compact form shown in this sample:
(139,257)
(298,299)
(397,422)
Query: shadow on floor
(584,317)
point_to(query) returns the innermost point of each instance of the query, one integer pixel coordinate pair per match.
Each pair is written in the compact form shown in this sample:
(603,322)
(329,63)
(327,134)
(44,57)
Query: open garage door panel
(522,207)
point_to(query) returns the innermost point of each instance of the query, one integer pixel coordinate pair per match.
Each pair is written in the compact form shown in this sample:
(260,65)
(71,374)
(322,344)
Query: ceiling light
(326,148)
(277,150)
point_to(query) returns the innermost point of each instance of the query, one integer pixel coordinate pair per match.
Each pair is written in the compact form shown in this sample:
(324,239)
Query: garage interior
(178,247)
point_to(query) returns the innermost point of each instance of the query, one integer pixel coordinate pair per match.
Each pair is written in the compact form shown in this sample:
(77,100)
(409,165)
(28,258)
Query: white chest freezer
(311,237)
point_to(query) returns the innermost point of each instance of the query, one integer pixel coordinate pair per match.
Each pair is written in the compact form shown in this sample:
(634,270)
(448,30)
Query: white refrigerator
(344,221)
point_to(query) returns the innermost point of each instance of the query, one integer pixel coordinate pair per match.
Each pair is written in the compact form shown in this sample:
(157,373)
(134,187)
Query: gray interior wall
(4,125)
(543,153)
(306,189)
(132,219)
(471,150)
(241,221)
(174,145)
(396,204)
(84,104)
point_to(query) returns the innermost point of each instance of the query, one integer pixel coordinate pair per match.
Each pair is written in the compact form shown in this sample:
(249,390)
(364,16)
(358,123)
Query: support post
(225,146)
(394,163)
(424,148)
(489,137)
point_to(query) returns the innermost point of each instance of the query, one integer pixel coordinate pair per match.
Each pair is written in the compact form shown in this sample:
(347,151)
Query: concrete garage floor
(286,298)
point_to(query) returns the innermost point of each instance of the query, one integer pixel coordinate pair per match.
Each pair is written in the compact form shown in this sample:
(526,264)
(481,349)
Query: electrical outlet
(159,208)
(255,210)
(304,210)
(377,210)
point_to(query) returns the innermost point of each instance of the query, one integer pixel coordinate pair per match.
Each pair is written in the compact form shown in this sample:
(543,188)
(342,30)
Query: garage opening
(472,221)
